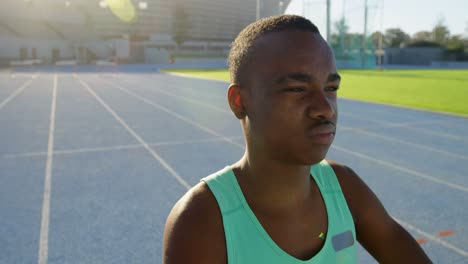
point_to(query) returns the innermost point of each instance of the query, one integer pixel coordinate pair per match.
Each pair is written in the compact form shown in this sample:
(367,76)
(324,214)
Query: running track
(91,163)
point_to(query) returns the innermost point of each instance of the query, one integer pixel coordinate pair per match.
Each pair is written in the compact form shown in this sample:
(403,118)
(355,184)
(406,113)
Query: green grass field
(435,90)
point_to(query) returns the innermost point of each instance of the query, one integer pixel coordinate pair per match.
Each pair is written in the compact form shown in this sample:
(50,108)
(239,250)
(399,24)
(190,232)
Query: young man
(282,202)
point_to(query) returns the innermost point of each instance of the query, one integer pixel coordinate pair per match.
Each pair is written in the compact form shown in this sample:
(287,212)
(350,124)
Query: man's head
(243,46)
(284,89)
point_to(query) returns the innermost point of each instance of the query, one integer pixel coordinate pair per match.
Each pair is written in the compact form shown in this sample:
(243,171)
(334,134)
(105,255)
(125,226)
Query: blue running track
(92,162)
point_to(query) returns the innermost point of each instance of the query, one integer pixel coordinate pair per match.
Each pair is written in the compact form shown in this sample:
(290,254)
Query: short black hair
(242,46)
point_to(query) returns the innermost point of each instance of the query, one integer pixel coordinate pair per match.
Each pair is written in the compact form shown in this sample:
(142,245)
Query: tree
(180,25)
(335,41)
(341,27)
(376,37)
(440,33)
(423,44)
(422,36)
(396,38)
(353,41)
(456,43)
(456,48)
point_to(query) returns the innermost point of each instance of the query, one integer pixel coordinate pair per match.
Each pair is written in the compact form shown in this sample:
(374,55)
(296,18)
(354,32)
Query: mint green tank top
(247,241)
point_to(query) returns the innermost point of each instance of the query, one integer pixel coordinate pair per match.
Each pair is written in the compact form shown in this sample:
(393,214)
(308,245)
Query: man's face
(291,102)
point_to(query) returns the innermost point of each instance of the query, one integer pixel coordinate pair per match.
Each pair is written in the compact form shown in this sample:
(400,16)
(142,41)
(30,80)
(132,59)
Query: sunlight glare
(123,9)
(143,5)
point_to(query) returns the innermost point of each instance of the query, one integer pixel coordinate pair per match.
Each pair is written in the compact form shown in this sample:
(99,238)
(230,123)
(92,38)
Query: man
(282,202)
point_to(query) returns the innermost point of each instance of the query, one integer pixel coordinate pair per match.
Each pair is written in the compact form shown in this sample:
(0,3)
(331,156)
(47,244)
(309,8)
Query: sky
(409,15)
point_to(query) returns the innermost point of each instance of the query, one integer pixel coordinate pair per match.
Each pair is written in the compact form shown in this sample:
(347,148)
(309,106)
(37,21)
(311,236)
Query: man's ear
(236,102)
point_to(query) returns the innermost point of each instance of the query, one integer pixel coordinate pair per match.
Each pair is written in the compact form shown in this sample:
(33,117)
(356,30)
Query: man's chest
(300,233)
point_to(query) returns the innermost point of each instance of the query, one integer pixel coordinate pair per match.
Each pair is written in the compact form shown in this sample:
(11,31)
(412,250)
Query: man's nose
(321,106)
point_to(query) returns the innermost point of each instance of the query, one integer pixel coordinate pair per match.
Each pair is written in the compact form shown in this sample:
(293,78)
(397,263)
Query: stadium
(49,31)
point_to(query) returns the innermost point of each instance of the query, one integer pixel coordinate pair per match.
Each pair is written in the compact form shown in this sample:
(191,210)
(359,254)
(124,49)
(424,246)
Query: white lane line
(159,90)
(194,101)
(15,93)
(120,147)
(403,125)
(408,126)
(406,170)
(460,125)
(137,137)
(44,233)
(442,152)
(432,237)
(439,134)
(177,86)
(195,124)
(403,107)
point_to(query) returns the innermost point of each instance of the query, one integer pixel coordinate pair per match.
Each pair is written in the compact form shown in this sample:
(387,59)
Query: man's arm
(194,230)
(385,239)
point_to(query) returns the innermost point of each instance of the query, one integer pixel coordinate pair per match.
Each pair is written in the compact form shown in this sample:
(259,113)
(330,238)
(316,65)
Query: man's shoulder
(350,182)
(195,227)
(354,189)
(361,200)
(198,199)
(344,174)
(197,208)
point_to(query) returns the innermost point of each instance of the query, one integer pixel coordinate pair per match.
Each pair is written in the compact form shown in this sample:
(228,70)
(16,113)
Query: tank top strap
(325,177)
(221,185)
(341,225)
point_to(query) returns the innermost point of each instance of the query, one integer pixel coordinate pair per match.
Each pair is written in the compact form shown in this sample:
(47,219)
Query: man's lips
(322,134)
(323,129)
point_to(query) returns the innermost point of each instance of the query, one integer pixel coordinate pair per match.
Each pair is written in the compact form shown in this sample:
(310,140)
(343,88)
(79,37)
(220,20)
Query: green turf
(436,90)
(216,74)
(198,55)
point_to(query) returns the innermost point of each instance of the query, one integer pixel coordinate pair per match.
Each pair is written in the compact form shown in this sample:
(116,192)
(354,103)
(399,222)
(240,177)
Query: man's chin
(317,155)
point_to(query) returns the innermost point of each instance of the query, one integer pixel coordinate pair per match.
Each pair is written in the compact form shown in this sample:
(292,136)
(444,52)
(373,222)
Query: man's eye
(332,88)
(295,89)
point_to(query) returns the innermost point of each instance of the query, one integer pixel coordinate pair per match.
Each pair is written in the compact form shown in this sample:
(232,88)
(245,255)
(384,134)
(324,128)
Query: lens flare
(123,9)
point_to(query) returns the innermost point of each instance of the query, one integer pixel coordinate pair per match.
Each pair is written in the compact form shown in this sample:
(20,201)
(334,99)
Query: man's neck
(272,185)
